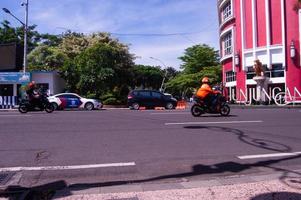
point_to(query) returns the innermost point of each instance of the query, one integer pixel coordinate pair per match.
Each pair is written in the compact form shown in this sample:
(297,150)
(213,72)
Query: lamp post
(25,25)
(165,74)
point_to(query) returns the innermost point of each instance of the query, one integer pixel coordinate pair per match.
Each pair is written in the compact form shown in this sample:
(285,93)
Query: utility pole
(25,26)
(25,36)
(165,74)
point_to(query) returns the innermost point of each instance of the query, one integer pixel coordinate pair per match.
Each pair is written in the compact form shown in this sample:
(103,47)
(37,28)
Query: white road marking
(19,115)
(170,113)
(269,155)
(45,168)
(220,122)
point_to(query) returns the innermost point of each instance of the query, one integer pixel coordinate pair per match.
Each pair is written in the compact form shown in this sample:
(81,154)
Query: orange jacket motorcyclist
(205,89)
(206,93)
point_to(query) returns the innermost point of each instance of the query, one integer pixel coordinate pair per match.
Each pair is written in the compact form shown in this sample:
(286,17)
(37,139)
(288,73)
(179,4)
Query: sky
(161,29)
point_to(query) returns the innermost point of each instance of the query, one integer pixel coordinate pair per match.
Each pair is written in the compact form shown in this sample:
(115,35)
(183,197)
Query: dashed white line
(19,115)
(269,155)
(219,122)
(70,167)
(170,113)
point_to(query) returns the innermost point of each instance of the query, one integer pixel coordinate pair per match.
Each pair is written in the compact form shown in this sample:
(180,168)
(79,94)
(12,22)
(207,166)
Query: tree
(73,44)
(197,57)
(183,84)
(147,77)
(51,40)
(102,68)
(9,34)
(171,72)
(47,58)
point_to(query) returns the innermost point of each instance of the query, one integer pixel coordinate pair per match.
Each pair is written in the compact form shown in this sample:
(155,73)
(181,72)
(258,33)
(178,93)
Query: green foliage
(101,68)
(147,77)
(46,58)
(184,84)
(9,34)
(113,98)
(197,57)
(112,101)
(91,96)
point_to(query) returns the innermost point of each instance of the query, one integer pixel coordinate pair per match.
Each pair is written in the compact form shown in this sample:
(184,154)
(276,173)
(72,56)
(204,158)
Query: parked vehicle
(72,100)
(40,104)
(150,99)
(200,107)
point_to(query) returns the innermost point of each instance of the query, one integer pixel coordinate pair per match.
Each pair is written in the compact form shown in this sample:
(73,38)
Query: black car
(150,99)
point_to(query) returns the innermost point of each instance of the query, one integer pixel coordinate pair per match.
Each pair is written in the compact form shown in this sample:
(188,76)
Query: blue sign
(14,77)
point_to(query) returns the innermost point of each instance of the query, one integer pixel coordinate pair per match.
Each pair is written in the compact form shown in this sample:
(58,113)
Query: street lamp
(236,60)
(161,88)
(25,25)
(292,49)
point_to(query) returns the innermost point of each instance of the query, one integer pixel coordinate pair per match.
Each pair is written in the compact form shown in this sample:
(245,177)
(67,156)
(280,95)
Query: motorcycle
(42,104)
(200,107)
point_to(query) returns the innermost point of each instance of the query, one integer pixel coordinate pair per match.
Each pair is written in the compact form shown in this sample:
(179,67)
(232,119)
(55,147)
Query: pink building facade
(268,30)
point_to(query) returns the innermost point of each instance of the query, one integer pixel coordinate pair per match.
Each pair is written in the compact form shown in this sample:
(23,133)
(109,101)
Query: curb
(185,184)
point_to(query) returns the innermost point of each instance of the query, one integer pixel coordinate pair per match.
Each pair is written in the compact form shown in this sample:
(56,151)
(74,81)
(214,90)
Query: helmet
(31,84)
(205,80)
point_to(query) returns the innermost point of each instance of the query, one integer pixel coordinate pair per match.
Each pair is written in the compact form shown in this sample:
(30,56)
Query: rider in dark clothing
(33,94)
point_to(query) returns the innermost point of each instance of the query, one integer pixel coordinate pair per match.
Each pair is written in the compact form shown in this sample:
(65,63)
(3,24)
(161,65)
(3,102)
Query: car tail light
(130,97)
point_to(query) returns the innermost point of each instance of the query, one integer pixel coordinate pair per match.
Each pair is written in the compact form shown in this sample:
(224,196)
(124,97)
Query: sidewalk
(251,189)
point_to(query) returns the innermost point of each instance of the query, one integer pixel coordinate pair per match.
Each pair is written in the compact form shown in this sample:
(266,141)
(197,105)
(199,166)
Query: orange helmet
(205,80)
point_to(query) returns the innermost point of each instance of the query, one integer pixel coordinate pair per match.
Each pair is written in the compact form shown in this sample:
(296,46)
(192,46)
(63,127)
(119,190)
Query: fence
(8,102)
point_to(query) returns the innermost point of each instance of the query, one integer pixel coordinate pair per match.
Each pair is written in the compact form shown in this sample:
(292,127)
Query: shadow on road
(257,142)
(216,116)
(278,196)
(45,191)
(290,178)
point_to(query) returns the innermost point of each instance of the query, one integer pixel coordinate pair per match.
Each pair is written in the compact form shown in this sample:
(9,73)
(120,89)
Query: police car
(72,100)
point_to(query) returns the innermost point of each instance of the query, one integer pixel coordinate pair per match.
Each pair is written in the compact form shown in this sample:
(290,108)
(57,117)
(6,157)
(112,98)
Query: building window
(250,73)
(226,11)
(230,76)
(276,71)
(227,43)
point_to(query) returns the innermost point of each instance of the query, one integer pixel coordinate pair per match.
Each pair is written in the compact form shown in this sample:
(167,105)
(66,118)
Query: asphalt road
(115,147)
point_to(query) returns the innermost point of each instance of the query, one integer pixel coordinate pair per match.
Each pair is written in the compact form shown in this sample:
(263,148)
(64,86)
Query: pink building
(268,30)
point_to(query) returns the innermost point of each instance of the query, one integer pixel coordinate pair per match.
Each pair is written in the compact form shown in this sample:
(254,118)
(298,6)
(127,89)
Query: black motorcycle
(200,107)
(38,104)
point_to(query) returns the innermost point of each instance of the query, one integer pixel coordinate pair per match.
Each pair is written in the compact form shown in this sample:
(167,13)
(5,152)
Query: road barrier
(8,102)
(181,105)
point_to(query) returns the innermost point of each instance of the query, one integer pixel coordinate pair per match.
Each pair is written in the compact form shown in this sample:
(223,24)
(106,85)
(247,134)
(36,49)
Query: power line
(156,34)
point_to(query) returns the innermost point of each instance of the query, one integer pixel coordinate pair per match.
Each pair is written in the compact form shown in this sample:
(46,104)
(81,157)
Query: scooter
(200,107)
(43,104)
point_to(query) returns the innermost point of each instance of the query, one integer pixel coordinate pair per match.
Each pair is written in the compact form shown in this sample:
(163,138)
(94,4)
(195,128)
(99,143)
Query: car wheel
(55,106)
(169,106)
(135,106)
(89,106)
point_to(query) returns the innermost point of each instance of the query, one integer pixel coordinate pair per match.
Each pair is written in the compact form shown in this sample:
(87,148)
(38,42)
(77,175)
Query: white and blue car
(72,100)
